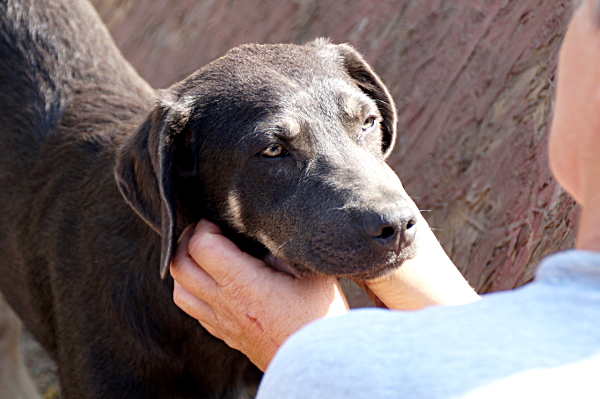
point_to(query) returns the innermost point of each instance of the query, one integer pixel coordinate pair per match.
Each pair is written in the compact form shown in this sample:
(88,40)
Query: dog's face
(285,146)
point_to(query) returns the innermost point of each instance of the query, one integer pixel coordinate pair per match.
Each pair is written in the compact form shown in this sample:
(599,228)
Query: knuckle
(176,264)
(240,292)
(179,296)
(237,280)
(195,245)
(235,290)
(203,247)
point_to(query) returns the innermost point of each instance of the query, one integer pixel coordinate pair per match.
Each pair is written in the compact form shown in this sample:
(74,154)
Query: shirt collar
(570,266)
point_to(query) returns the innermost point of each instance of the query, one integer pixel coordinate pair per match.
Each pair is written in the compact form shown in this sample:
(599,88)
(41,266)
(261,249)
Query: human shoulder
(365,351)
(445,351)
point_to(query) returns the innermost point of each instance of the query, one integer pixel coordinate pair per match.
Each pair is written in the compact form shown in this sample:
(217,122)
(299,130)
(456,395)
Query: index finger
(220,257)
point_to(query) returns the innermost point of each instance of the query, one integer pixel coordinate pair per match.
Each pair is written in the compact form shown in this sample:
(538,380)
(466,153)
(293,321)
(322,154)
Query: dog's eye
(369,123)
(274,151)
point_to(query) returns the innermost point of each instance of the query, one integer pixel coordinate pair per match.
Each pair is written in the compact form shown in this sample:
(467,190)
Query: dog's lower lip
(369,275)
(280,265)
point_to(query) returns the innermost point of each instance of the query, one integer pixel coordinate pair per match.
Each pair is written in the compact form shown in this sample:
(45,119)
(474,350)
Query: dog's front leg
(15,382)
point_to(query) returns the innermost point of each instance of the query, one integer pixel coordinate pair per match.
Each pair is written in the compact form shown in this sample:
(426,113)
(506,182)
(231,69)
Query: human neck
(588,235)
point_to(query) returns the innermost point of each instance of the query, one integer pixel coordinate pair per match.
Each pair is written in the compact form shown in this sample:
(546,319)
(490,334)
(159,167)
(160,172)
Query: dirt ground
(41,368)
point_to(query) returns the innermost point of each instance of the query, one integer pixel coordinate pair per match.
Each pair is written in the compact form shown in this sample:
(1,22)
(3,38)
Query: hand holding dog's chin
(240,300)
(430,278)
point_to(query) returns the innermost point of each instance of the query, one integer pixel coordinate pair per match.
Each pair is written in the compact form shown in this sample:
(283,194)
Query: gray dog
(282,145)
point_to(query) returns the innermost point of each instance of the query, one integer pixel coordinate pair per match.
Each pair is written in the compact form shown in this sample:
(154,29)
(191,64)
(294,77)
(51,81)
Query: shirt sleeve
(320,361)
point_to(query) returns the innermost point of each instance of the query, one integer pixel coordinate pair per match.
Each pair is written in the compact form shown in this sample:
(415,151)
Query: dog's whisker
(279,248)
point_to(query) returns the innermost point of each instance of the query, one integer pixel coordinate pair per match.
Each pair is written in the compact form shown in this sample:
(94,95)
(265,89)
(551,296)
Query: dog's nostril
(391,232)
(387,232)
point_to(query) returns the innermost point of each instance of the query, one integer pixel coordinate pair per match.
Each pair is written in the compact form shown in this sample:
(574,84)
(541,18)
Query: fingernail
(187,231)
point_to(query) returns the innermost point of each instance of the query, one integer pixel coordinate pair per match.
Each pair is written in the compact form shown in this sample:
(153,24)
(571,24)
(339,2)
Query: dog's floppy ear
(369,82)
(144,170)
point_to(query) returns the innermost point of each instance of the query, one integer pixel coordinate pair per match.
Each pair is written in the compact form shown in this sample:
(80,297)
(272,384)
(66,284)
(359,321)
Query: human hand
(428,279)
(241,300)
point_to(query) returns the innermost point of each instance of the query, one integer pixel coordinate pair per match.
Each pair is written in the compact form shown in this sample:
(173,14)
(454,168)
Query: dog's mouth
(280,264)
(360,268)
(376,270)
(284,266)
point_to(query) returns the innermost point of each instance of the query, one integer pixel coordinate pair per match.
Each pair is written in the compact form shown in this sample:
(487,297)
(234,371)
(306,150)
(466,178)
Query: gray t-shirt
(539,341)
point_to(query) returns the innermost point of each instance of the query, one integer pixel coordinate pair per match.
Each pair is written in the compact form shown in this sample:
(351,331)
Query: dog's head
(283,146)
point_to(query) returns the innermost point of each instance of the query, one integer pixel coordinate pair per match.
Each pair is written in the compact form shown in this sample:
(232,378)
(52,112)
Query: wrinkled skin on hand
(241,300)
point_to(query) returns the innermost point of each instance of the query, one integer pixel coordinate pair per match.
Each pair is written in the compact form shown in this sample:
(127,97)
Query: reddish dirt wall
(473,81)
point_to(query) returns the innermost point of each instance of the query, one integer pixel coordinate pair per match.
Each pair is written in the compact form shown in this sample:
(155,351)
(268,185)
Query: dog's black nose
(392,230)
